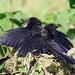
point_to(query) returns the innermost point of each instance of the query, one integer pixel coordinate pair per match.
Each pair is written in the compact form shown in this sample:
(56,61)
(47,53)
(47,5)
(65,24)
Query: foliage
(1,66)
(65,20)
(72,3)
(44,64)
(3,50)
(10,20)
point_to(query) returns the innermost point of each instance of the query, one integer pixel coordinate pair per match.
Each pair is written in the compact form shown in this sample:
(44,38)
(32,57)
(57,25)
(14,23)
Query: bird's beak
(24,25)
(56,26)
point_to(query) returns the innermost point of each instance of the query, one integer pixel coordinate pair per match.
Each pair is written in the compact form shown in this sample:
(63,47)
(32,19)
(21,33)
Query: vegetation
(48,11)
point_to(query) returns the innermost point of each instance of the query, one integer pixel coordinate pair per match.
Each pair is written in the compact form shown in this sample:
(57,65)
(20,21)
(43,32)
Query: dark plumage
(20,38)
(55,45)
(58,37)
(32,36)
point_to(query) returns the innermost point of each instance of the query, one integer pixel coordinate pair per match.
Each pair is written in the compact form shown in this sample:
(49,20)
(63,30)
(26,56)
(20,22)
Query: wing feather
(61,38)
(15,37)
(32,44)
(55,49)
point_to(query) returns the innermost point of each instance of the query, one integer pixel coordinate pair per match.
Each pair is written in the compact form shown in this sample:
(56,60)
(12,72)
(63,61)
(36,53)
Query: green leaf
(2,29)
(50,18)
(73,19)
(37,67)
(16,22)
(2,15)
(36,73)
(71,35)
(18,15)
(64,17)
(17,18)
(5,23)
(1,66)
(22,69)
(14,12)
(72,3)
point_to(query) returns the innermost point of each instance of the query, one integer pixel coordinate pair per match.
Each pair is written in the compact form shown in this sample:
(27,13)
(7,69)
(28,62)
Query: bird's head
(51,27)
(33,21)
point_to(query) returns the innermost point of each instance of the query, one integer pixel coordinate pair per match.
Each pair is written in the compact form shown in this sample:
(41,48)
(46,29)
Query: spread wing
(24,40)
(15,37)
(61,38)
(56,50)
(35,45)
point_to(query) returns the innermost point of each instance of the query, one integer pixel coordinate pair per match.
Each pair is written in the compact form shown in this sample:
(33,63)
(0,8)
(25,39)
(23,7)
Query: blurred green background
(61,12)
(14,12)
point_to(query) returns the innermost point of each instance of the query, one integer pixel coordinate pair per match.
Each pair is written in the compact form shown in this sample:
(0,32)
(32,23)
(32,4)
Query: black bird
(32,36)
(57,43)
(20,38)
(58,37)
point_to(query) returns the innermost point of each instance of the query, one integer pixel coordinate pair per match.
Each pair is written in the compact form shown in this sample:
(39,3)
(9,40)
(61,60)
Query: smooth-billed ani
(57,43)
(32,36)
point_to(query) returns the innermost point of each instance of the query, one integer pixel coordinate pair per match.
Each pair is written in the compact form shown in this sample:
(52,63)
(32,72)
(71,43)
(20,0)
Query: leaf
(64,17)
(5,23)
(2,15)
(73,19)
(63,20)
(36,73)
(17,18)
(1,66)
(16,22)
(2,29)
(50,18)
(72,3)
(71,35)
(37,67)
(14,12)
(18,15)
(22,69)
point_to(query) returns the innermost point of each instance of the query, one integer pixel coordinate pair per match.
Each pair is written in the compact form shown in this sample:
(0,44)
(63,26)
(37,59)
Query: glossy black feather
(35,43)
(35,37)
(62,39)
(55,48)
(62,56)
(13,37)
(56,43)
(21,38)
(59,37)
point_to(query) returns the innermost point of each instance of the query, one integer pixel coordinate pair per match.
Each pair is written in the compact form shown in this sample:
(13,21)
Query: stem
(3,50)
(11,10)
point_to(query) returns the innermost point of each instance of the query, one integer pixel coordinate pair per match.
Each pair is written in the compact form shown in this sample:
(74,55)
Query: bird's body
(32,36)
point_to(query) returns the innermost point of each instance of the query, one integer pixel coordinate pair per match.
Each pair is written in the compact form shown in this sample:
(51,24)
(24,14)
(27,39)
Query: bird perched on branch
(32,36)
